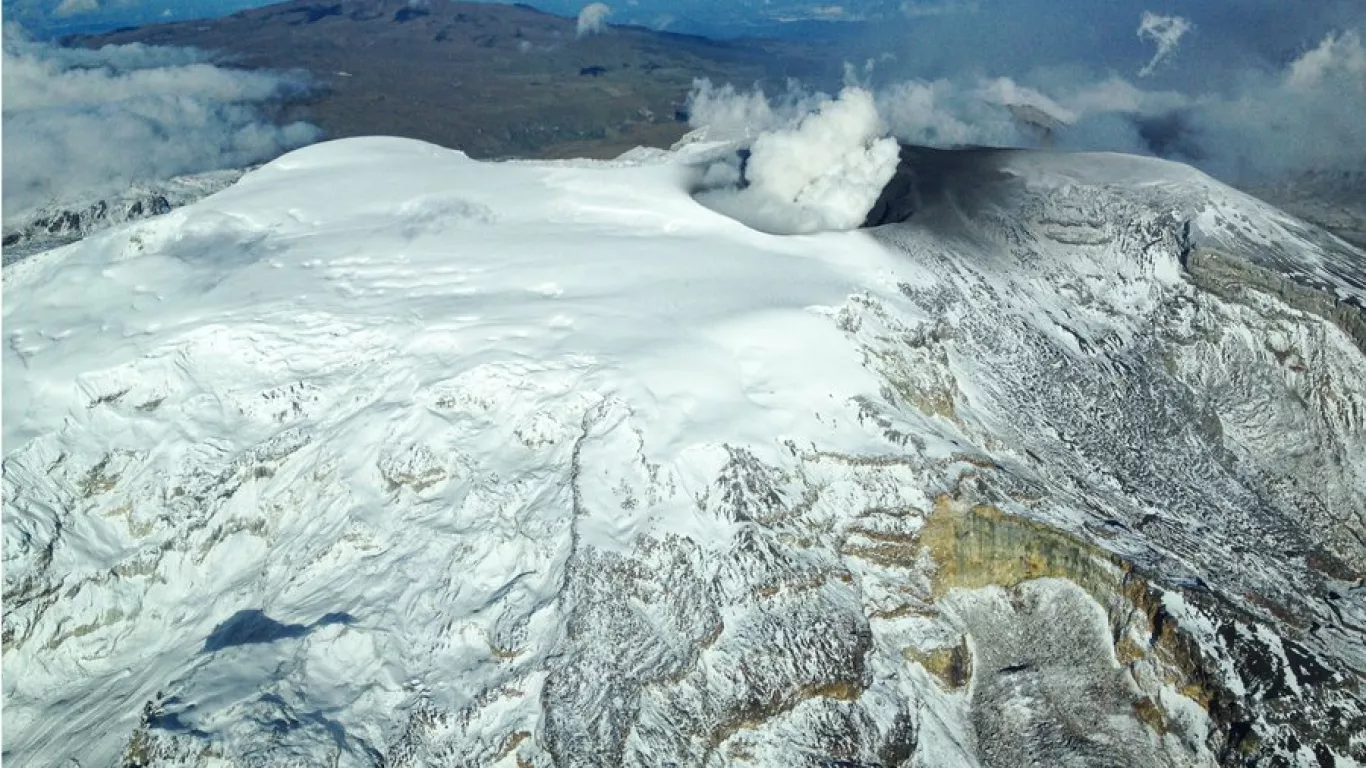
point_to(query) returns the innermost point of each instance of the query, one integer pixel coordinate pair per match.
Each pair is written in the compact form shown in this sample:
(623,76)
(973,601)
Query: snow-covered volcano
(384,456)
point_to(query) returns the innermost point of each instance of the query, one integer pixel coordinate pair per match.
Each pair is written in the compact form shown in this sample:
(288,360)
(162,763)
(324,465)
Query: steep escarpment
(1261,691)
(1185,420)
(1230,279)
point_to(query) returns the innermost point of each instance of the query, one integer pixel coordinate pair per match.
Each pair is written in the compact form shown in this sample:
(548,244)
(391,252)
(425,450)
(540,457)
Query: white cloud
(1305,116)
(593,19)
(68,8)
(84,122)
(1339,56)
(931,8)
(830,12)
(1163,31)
(1008,93)
(726,112)
(1308,117)
(824,171)
(730,115)
(1116,95)
(943,114)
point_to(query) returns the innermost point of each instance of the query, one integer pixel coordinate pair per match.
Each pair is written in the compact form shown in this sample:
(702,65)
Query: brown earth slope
(493,80)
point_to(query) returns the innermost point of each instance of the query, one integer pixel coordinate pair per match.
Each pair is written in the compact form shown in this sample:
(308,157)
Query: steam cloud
(1305,118)
(593,19)
(1265,125)
(730,115)
(80,123)
(1163,31)
(1337,57)
(823,171)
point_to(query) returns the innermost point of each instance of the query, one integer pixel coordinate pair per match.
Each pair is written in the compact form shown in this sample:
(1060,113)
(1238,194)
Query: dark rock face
(404,15)
(1231,278)
(921,176)
(898,201)
(64,226)
(65,223)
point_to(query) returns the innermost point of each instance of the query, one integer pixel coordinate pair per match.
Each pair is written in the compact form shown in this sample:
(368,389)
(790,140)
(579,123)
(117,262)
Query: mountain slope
(1334,200)
(65,222)
(491,80)
(388,456)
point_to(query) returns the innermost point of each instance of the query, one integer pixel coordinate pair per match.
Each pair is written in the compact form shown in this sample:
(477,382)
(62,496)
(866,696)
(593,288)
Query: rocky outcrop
(922,175)
(1263,692)
(61,223)
(1229,277)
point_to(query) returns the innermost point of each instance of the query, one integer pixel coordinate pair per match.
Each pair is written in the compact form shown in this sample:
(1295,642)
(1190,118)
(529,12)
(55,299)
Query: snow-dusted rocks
(385,456)
(62,222)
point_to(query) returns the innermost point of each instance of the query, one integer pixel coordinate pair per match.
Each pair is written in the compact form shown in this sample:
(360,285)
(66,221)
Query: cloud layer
(80,123)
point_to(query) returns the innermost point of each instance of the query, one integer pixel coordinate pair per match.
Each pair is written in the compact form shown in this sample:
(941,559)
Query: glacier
(385,456)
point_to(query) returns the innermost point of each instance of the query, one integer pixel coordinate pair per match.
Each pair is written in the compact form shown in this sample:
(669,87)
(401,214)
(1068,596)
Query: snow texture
(387,456)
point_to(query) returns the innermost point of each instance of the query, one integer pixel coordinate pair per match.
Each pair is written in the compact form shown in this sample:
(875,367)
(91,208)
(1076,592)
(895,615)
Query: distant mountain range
(492,80)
